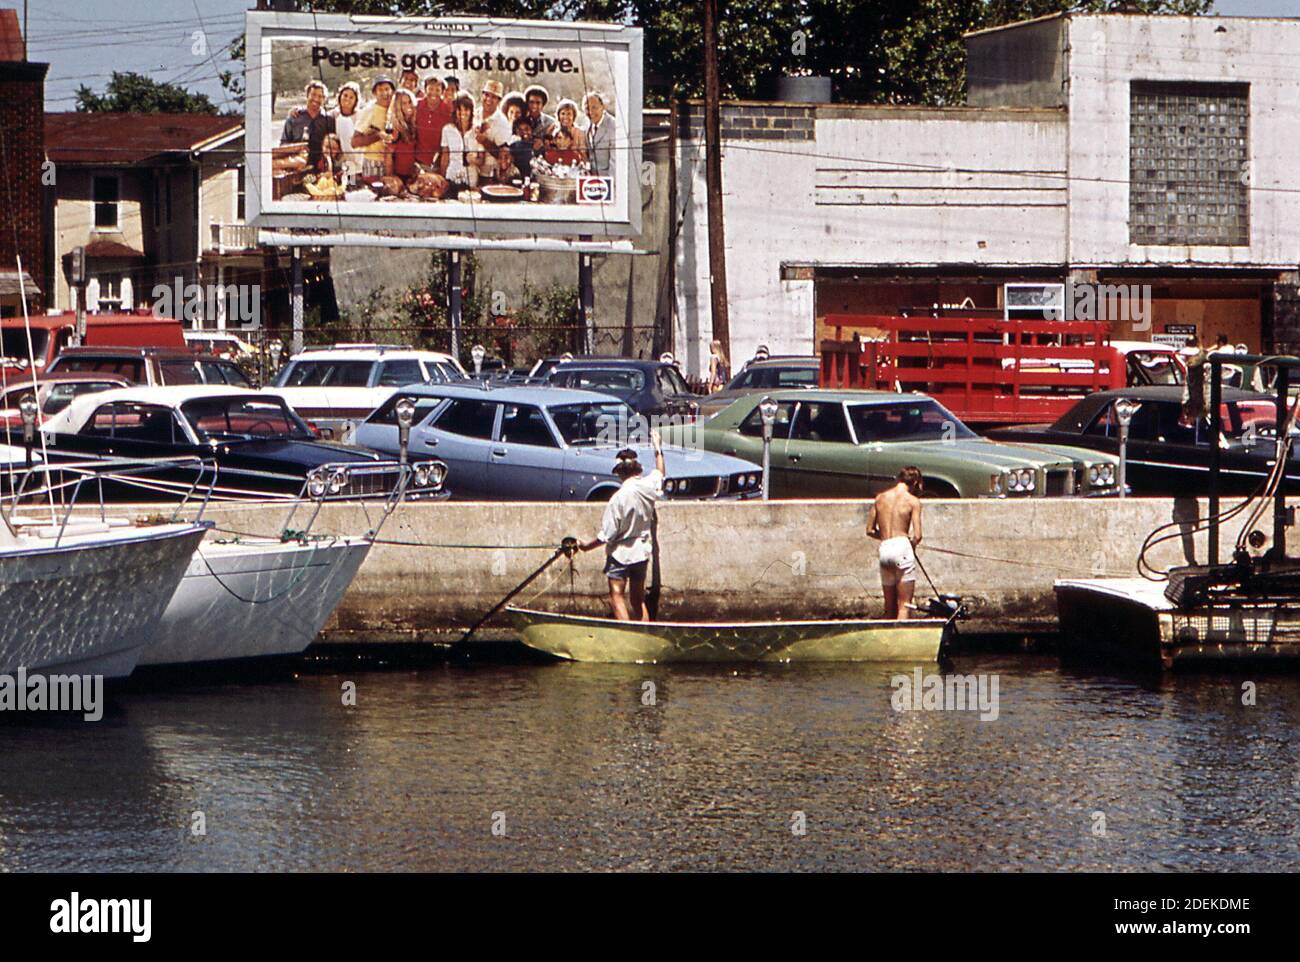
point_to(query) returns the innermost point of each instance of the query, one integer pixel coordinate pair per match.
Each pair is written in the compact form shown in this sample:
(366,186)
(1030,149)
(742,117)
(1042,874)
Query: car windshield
(243,418)
(919,420)
(15,343)
(594,423)
(61,395)
(1154,367)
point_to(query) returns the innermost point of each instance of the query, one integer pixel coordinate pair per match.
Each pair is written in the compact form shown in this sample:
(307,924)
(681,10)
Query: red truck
(988,370)
(51,333)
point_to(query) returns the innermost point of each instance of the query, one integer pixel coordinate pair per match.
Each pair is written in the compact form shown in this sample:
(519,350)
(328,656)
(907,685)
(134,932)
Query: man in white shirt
(627,532)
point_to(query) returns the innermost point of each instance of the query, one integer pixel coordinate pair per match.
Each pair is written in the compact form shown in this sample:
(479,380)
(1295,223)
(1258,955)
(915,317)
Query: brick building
(22,154)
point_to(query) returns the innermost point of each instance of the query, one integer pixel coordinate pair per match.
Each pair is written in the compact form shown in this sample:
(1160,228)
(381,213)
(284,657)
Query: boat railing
(65,482)
(345,480)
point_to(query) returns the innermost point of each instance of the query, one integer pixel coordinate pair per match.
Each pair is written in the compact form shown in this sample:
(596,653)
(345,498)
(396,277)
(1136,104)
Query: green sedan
(851,444)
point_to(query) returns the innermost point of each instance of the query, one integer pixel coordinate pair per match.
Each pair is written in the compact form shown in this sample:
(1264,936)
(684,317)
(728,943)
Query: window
(473,419)
(107,189)
(440,372)
(1189,163)
(387,413)
(752,426)
(179,372)
(796,377)
(594,423)
(524,424)
(130,368)
(744,379)
(326,374)
(14,341)
(127,421)
(909,421)
(670,382)
(622,383)
(61,395)
(400,373)
(240,187)
(823,421)
(215,372)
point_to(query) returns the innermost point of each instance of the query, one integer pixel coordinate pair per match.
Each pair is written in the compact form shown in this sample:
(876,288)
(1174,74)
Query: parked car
(651,388)
(223,344)
(537,443)
(1167,453)
(334,387)
(53,393)
(852,444)
(767,374)
(52,333)
(259,446)
(151,366)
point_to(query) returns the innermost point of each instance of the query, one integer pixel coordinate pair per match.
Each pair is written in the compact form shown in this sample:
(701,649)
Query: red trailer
(985,370)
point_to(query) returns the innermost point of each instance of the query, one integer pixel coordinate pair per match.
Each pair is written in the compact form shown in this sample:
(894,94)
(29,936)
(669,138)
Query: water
(587,777)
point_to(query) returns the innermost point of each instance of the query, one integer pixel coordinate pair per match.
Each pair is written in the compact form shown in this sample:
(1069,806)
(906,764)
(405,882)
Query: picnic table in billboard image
(449,124)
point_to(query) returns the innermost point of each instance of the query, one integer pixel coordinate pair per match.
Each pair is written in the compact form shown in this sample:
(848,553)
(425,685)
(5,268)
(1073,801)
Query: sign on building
(454,124)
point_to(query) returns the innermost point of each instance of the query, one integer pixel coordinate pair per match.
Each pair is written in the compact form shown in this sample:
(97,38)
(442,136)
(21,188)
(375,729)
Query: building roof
(13,48)
(129,139)
(111,248)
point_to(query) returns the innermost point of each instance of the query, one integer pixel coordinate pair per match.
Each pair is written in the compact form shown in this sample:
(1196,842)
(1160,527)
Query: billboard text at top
(443,125)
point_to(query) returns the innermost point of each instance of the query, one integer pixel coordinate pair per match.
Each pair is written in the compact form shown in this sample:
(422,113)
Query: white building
(1108,148)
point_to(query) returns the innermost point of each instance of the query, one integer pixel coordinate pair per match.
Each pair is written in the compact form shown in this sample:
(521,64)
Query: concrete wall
(1024,66)
(860,186)
(748,560)
(1106,54)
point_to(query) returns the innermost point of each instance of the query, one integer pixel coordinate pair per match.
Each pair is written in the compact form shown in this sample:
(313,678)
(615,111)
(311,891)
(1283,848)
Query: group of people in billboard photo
(431,138)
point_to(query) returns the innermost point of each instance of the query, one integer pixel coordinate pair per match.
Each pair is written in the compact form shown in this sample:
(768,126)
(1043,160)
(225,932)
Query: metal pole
(454,300)
(296,296)
(1279,497)
(1123,456)
(767,466)
(1216,431)
(713,180)
(586,304)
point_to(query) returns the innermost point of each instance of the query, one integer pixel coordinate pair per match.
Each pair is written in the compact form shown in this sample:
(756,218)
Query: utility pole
(713,180)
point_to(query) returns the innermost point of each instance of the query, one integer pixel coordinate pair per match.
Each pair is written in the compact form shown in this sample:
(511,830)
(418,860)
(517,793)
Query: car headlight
(755,480)
(338,481)
(317,484)
(1094,474)
(1028,479)
(438,473)
(1108,474)
(998,483)
(422,473)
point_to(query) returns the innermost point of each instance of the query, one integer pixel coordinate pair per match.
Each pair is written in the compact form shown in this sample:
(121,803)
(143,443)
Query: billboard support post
(296,260)
(454,300)
(586,303)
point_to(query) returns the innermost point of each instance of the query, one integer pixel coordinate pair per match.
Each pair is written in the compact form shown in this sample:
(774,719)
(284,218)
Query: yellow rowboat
(581,638)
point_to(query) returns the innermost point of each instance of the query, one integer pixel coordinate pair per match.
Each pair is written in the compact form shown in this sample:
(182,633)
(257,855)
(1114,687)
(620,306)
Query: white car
(339,386)
(221,343)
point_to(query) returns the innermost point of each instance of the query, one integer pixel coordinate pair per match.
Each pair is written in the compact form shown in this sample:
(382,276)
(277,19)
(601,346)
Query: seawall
(751,560)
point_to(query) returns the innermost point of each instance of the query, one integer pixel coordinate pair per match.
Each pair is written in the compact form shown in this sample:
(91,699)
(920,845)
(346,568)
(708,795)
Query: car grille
(365,482)
(702,487)
(1060,481)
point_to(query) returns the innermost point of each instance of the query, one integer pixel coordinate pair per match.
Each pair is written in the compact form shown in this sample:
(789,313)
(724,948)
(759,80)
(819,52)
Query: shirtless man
(895,520)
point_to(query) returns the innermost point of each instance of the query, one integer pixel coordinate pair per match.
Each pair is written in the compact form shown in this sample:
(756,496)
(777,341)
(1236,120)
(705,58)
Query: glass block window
(1189,163)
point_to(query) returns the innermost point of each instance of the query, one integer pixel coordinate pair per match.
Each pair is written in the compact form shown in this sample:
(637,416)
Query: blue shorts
(621,572)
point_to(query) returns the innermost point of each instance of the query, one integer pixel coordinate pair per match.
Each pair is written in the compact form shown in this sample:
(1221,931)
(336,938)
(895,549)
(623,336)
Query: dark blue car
(651,388)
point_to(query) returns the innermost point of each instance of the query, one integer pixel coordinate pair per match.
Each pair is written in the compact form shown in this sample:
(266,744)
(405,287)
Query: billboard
(447,125)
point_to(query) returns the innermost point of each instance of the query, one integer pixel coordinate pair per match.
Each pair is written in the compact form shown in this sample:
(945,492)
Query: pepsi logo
(595,190)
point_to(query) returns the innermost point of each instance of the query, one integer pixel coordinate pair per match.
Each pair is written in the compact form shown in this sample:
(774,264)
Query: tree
(135,93)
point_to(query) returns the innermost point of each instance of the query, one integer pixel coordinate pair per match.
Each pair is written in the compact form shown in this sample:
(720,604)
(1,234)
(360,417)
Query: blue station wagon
(539,443)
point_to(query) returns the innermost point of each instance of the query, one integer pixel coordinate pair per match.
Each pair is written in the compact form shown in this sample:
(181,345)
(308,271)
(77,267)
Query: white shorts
(897,561)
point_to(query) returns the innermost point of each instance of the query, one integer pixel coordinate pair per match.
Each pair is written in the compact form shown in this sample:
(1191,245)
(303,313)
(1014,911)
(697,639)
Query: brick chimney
(22,152)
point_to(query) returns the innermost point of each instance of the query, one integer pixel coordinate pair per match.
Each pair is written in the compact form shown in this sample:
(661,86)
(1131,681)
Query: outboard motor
(949,607)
